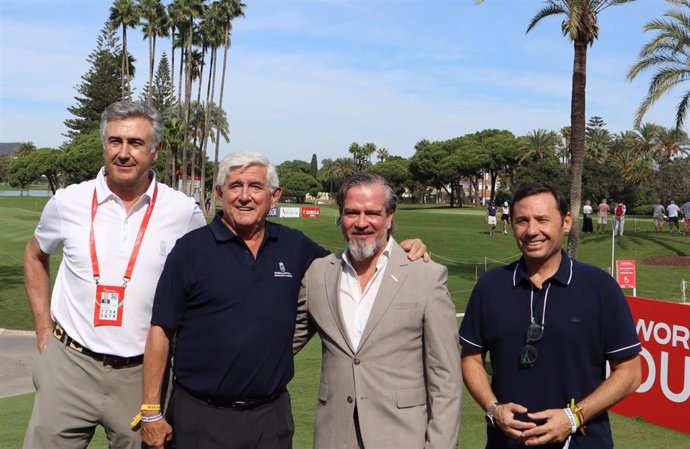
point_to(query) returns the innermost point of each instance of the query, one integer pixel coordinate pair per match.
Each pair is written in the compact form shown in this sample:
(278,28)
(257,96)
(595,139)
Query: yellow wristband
(150,407)
(135,421)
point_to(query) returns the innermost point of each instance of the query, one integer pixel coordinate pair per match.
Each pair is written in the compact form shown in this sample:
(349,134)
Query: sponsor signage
(311,212)
(625,273)
(289,212)
(663,398)
(273,212)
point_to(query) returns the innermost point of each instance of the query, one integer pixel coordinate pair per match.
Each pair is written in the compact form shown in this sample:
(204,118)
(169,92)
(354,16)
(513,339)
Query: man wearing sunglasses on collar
(550,325)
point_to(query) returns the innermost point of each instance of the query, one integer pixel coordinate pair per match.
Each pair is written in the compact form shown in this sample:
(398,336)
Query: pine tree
(100,86)
(314,166)
(162,95)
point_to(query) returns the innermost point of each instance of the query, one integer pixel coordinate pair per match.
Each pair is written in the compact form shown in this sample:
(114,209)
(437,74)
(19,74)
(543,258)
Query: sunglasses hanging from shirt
(535,332)
(110,299)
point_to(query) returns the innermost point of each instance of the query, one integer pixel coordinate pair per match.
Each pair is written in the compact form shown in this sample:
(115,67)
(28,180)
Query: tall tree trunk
(124,44)
(172,62)
(220,107)
(122,62)
(577,141)
(195,140)
(152,56)
(188,104)
(207,124)
(180,78)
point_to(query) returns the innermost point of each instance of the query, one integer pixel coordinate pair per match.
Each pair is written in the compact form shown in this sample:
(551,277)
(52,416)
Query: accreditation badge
(109,305)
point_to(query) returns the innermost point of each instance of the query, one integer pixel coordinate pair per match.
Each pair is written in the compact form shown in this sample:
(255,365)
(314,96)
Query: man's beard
(359,251)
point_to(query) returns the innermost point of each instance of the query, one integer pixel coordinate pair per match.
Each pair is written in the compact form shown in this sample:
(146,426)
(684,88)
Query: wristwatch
(489,416)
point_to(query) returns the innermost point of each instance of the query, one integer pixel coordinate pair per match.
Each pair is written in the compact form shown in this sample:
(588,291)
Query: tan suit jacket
(405,376)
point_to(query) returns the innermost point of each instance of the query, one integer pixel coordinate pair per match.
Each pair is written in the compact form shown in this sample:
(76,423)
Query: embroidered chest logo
(282,273)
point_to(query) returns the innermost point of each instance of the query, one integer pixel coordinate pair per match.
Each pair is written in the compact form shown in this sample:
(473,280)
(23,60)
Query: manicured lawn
(456,238)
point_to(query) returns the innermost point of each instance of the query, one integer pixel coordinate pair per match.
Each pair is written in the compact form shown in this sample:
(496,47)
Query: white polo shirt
(66,221)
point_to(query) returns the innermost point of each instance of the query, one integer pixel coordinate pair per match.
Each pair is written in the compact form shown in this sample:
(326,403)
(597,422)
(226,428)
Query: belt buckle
(240,404)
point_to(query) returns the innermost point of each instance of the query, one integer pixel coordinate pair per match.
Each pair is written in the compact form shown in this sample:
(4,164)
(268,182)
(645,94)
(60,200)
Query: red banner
(663,398)
(311,212)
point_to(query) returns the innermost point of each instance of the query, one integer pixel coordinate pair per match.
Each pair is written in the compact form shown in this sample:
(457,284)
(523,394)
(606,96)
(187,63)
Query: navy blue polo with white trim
(586,322)
(234,314)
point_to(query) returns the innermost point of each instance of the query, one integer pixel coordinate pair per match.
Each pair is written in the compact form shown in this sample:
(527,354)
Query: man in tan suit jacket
(390,374)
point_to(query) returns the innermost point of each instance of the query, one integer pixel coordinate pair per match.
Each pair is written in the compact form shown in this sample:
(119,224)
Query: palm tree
(173,138)
(228,10)
(190,9)
(670,142)
(334,172)
(581,25)
(538,144)
(625,154)
(563,146)
(174,19)
(669,53)
(213,28)
(154,20)
(125,14)
(598,144)
(647,136)
(24,149)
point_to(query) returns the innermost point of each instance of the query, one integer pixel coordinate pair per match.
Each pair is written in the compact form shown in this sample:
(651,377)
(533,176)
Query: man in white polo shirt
(116,232)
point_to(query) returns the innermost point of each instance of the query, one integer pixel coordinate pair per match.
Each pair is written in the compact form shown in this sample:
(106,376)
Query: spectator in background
(587,226)
(658,210)
(491,217)
(619,219)
(603,216)
(672,211)
(505,216)
(685,209)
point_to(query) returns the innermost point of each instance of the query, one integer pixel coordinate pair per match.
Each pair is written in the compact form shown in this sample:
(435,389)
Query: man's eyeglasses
(529,353)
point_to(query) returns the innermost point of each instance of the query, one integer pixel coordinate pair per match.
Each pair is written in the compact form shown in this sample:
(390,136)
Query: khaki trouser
(74,394)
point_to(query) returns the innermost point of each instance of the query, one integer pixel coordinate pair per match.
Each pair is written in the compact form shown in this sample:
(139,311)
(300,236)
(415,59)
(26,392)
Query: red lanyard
(137,242)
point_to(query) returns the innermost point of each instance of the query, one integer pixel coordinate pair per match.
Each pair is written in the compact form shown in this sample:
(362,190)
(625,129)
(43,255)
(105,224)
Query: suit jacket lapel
(393,279)
(332,280)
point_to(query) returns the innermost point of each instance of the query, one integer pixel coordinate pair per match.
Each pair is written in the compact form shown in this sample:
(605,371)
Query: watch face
(489,420)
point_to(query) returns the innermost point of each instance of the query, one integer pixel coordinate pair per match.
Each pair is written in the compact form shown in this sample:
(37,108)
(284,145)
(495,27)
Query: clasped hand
(555,428)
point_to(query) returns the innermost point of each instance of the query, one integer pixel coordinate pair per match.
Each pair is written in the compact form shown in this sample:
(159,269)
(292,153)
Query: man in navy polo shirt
(550,324)
(228,293)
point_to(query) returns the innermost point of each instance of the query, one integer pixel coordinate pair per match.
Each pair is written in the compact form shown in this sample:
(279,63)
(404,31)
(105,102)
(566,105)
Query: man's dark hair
(367,179)
(536,188)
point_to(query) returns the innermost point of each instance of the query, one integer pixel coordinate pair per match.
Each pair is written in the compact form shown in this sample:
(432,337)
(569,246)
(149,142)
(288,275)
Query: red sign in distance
(625,272)
(310,212)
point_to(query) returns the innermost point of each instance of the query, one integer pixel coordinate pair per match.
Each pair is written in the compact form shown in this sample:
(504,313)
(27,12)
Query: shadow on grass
(12,276)
(653,238)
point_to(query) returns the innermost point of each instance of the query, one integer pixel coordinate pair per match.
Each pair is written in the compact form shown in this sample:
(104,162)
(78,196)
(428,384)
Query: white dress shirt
(355,304)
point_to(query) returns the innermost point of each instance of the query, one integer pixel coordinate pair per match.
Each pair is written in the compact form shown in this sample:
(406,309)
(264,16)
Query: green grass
(456,238)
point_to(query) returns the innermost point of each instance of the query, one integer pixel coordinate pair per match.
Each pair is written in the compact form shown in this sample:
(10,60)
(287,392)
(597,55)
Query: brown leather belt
(113,361)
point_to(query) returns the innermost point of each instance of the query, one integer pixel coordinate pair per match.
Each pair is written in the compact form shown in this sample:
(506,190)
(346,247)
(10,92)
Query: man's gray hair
(125,109)
(367,179)
(243,159)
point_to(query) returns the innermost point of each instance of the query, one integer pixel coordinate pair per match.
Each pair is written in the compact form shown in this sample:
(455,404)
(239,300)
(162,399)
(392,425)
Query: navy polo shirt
(234,315)
(586,322)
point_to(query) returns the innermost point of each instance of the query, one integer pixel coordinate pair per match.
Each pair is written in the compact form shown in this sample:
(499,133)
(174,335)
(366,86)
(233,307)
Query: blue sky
(313,76)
